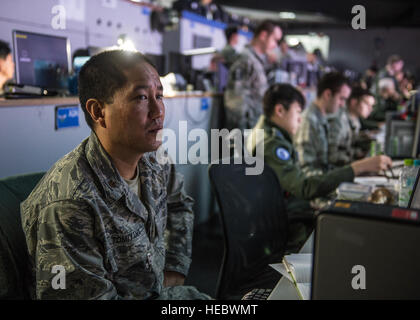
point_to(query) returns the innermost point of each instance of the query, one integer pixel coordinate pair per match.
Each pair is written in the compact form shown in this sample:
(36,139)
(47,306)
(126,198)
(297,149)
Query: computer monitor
(181,64)
(366,251)
(399,137)
(79,62)
(41,60)
(159,62)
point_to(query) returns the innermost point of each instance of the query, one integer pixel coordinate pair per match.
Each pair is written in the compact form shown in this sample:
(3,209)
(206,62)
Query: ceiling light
(292,41)
(126,43)
(287,15)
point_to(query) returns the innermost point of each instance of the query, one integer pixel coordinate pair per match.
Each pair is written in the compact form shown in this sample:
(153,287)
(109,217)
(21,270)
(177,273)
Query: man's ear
(279,110)
(97,112)
(327,94)
(353,102)
(263,35)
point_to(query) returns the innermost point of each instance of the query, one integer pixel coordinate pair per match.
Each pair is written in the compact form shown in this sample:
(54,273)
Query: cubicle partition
(35,133)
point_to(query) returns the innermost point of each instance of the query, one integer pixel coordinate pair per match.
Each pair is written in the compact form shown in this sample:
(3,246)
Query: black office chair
(255,225)
(15,273)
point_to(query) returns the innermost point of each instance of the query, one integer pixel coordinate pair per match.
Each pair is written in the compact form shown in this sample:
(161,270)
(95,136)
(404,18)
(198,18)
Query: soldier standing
(247,80)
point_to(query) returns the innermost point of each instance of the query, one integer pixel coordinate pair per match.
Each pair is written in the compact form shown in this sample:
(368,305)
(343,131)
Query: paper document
(297,268)
(300,266)
(305,290)
(371,180)
(279,267)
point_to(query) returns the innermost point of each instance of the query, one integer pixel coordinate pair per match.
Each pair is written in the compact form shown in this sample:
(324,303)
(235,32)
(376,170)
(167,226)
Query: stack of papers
(372,181)
(297,268)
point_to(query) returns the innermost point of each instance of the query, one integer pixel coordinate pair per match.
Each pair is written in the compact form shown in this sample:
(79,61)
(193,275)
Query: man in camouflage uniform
(116,218)
(311,140)
(229,53)
(346,142)
(282,116)
(393,67)
(247,80)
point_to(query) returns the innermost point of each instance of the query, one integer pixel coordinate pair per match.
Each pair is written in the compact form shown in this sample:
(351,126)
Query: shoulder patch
(282,154)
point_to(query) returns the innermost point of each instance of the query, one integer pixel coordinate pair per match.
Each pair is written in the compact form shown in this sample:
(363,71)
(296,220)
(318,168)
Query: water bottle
(416,164)
(406,182)
(372,152)
(416,168)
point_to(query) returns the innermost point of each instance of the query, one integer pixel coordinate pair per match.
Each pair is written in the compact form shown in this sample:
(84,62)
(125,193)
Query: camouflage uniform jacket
(311,141)
(112,245)
(346,141)
(245,89)
(229,54)
(341,138)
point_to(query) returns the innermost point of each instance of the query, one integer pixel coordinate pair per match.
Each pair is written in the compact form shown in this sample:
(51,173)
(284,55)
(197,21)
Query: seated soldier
(7,66)
(311,139)
(113,216)
(387,100)
(345,140)
(282,117)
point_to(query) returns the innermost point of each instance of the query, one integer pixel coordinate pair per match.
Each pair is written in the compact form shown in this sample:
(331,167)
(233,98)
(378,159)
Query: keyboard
(257,294)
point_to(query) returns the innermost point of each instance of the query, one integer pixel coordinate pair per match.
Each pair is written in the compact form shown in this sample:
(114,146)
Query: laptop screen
(366,251)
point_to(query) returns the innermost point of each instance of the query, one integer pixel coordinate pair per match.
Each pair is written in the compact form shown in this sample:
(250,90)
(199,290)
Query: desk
(285,290)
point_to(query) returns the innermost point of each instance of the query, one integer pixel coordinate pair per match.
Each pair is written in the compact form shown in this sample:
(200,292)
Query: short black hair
(373,68)
(393,58)
(4,50)
(357,92)
(230,31)
(332,81)
(284,94)
(103,74)
(266,25)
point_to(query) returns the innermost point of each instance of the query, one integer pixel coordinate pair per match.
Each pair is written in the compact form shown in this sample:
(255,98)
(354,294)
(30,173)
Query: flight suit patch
(282,154)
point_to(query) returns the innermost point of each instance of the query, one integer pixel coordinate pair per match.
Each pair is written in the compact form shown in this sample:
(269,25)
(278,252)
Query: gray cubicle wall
(29,141)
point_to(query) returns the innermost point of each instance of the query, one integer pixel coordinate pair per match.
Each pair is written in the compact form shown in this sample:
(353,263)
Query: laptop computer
(366,251)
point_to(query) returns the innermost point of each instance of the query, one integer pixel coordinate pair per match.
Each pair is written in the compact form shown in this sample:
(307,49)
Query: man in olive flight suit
(282,117)
(112,213)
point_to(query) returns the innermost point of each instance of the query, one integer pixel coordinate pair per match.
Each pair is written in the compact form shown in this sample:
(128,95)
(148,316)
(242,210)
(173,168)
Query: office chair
(254,222)
(15,273)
